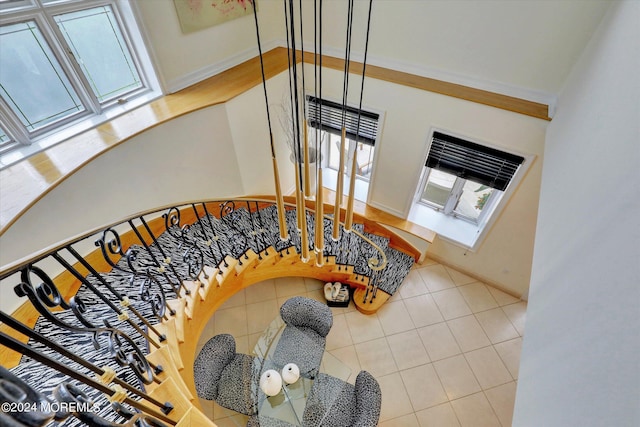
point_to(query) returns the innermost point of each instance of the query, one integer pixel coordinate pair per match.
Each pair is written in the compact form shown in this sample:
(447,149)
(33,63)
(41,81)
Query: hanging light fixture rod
(352,181)
(276,176)
(345,89)
(317,44)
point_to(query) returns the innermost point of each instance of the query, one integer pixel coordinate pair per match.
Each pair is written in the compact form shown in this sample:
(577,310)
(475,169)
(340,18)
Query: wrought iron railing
(86,360)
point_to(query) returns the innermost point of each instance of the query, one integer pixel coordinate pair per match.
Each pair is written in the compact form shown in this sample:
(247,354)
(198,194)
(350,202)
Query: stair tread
(398,266)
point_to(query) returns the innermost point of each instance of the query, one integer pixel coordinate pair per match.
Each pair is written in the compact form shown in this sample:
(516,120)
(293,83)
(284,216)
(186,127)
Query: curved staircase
(122,321)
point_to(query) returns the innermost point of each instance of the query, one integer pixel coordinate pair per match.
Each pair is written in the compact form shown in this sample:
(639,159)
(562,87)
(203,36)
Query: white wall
(250,134)
(464,41)
(184,59)
(191,157)
(579,364)
(422,40)
(504,259)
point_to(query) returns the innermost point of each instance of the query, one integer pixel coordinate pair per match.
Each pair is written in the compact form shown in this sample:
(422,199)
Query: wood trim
(492,99)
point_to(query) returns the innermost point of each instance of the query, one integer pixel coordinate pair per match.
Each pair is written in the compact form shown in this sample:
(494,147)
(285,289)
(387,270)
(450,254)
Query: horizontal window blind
(332,120)
(472,161)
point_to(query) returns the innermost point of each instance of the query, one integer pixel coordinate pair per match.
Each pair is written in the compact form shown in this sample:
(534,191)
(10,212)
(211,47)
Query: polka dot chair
(230,379)
(304,338)
(335,403)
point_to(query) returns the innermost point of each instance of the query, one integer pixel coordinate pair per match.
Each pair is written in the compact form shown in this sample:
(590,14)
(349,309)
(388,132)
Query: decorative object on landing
(337,294)
(349,405)
(271,382)
(227,377)
(304,338)
(290,373)
(332,290)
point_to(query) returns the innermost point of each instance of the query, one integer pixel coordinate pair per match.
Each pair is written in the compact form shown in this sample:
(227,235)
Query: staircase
(117,329)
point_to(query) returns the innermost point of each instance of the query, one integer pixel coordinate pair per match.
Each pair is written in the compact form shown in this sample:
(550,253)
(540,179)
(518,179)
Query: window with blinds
(361,129)
(330,116)
(475,162)
(465,179)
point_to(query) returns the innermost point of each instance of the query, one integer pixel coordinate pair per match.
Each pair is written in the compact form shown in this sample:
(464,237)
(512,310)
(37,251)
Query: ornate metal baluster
(262,230)
(15,391)
(46,296)
(208,242)
(25,330)
(215,238)
(166,259)
(228,208)
(113,246)
(192,255)
(253,231)
(160,267)
(122,315)
(73,397)
(123,301)
(89,418)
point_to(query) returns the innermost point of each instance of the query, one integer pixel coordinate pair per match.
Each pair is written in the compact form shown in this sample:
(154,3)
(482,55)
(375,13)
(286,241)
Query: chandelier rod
(276,176)
(295,114)
(352,181)
(345,89)
(317,45)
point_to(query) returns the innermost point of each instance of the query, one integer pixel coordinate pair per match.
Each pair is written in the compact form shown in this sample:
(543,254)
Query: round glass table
(287,407)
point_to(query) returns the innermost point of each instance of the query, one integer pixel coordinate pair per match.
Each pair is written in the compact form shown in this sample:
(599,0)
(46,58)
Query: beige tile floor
(445,348)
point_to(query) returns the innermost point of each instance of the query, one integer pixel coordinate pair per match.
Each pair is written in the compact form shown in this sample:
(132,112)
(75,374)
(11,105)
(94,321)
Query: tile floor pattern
(445,349)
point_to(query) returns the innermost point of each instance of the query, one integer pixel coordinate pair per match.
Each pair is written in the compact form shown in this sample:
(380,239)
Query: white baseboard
(196,76)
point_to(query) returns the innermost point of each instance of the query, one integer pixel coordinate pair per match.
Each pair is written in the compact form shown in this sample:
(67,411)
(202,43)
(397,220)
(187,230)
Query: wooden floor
(26,182)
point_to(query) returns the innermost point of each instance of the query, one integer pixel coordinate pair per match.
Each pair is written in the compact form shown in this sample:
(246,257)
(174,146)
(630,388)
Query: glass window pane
(97,44)
(473,199)
(438,187)
(334,151)
(364,160)
(31,79)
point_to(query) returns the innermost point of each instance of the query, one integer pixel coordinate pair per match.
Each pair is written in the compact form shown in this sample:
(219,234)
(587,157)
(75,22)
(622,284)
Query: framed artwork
(195,15)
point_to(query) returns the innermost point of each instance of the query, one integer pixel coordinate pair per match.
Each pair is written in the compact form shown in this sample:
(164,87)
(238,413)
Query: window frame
(455,194)
(352,145)
(457,229)
(94,113)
